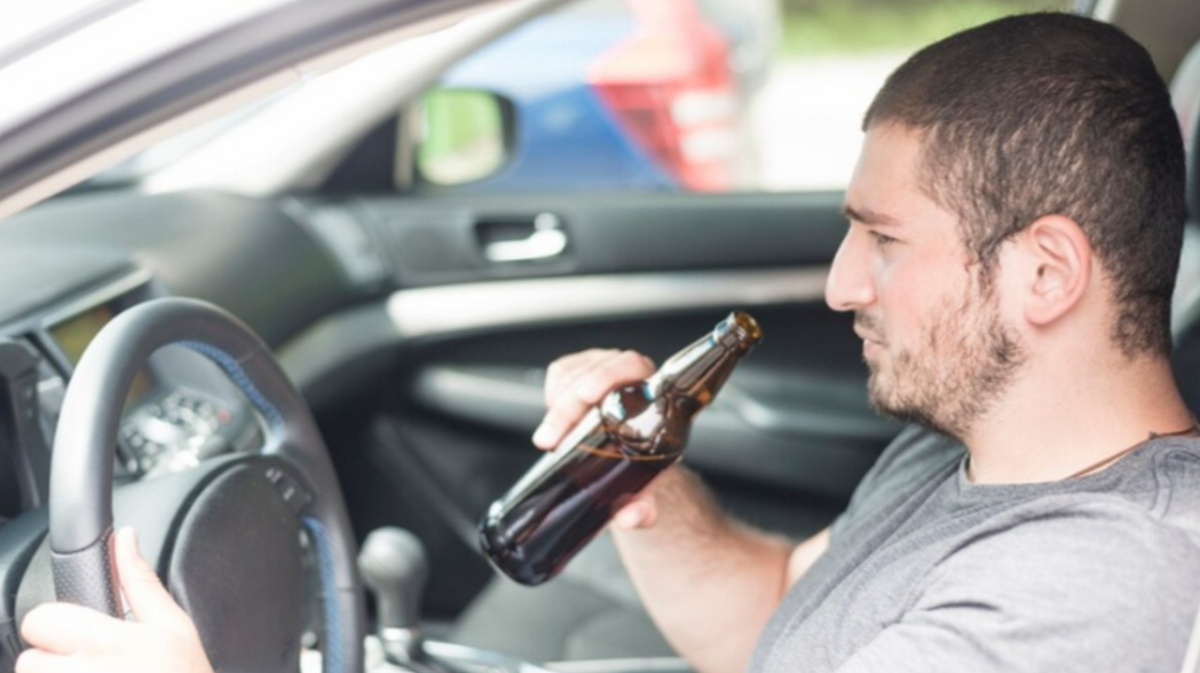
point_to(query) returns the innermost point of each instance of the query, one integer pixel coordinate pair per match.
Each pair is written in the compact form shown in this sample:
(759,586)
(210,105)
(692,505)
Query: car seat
(1185,309)
(1185,93)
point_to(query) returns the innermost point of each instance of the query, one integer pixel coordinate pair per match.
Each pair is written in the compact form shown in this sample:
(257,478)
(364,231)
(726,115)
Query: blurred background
(843,50)
(680,95)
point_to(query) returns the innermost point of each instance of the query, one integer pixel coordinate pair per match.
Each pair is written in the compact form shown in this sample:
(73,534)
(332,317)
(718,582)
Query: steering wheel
(234,537)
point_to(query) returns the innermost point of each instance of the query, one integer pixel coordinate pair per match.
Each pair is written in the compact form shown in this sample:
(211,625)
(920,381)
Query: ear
(1059,260)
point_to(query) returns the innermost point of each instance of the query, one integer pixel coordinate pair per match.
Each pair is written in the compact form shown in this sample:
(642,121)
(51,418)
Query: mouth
(867,337)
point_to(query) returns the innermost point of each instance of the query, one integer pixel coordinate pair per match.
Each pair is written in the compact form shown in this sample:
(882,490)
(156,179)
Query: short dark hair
(1053,114)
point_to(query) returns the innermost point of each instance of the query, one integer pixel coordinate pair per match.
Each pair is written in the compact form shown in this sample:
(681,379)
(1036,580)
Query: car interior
(396,374)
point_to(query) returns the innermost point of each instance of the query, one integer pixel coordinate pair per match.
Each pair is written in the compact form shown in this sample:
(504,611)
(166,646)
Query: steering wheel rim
(81,479)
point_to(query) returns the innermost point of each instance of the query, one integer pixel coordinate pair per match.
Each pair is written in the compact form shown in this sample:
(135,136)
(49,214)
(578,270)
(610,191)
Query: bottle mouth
(741,327)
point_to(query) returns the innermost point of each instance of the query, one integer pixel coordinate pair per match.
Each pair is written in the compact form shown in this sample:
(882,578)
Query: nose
(849,286)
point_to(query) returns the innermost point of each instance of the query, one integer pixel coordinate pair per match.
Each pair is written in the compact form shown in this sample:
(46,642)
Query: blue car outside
(565,135)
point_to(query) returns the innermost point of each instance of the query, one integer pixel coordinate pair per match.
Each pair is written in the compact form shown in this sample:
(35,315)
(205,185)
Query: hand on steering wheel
(232,535)
(66,638)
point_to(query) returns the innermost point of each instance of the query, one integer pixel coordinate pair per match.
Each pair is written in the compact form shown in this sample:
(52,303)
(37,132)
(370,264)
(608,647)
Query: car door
(645,272)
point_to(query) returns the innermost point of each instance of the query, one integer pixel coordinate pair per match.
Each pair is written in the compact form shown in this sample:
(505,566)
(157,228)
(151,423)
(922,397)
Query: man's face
(938,350)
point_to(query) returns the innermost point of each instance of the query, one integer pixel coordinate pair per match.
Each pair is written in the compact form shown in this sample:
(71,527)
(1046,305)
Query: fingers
(558,422)
(608,373)
(66,638)
(64,628)
(592,373)
(565,371)
(140,584)
(641,512)
(39,661)
(578,382)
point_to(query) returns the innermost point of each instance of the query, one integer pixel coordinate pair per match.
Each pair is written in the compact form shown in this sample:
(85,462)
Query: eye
(882,239)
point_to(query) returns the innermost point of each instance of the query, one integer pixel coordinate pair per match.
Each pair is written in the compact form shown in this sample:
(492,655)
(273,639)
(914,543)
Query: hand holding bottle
(575,384)
(613,430)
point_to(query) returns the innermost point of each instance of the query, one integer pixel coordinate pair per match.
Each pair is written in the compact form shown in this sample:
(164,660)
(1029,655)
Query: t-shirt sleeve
(1101,587)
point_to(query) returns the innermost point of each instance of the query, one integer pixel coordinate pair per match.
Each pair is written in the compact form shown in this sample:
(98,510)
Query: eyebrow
(869,217)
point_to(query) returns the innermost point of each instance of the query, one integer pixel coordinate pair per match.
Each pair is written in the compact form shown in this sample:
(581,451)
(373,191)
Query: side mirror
(466,136)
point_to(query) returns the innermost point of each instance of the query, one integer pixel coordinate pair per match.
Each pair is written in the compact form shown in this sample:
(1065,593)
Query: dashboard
(69,267)
(179,410)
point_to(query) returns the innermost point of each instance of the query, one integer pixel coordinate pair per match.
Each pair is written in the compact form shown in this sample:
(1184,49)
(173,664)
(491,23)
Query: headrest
(1185,93)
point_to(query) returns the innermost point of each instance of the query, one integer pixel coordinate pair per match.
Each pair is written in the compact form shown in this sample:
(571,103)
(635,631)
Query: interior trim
(102,294)
(437,311)
(511,398)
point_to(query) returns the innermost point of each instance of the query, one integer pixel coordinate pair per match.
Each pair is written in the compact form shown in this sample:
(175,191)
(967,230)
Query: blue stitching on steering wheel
(239,377)
(332,650)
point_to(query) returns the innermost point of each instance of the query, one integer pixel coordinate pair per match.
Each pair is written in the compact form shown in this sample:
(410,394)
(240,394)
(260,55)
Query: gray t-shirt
(928,572)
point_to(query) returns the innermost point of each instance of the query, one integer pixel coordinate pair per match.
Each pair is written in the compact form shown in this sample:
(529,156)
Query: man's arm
(709,582)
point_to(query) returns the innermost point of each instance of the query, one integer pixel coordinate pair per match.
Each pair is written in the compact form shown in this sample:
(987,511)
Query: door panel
(650,272)
(437,240)
(788,438)
(805,432)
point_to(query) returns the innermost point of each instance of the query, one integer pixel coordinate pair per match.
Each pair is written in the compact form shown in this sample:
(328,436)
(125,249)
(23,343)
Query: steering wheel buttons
(289,490)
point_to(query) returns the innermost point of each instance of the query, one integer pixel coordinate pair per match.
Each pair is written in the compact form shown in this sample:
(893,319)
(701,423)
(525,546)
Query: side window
(686,95)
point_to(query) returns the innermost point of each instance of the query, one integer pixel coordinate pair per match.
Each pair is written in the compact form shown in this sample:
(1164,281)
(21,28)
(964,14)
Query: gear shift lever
(393,566)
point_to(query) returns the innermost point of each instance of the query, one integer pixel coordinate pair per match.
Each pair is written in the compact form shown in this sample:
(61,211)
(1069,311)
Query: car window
(696,95)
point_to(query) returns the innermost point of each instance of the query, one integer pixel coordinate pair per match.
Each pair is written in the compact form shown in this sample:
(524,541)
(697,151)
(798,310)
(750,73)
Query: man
(1015,223)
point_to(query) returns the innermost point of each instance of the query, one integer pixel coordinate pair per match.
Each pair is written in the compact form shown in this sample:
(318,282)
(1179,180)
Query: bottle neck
(697,371)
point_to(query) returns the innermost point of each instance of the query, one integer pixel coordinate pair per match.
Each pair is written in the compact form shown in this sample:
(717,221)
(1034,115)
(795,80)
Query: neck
(1053,427)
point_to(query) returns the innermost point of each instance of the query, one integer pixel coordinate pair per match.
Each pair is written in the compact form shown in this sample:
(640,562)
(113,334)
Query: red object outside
(669,86)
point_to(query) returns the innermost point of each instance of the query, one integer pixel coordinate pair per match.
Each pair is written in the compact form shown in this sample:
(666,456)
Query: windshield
(164,152)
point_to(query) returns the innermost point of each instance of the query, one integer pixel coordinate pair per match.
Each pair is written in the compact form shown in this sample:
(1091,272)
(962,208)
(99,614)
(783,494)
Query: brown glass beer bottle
(635,433)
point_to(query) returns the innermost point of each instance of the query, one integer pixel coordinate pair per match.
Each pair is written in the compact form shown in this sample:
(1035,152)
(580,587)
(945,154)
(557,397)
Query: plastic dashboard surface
(70,265)
(179,410)
(248,255)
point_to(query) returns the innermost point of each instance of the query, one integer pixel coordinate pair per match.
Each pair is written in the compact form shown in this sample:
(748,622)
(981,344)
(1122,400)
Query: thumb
(641,512)
(140,584)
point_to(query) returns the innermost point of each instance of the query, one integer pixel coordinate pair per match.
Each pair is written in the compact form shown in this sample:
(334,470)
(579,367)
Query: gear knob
(393,566)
